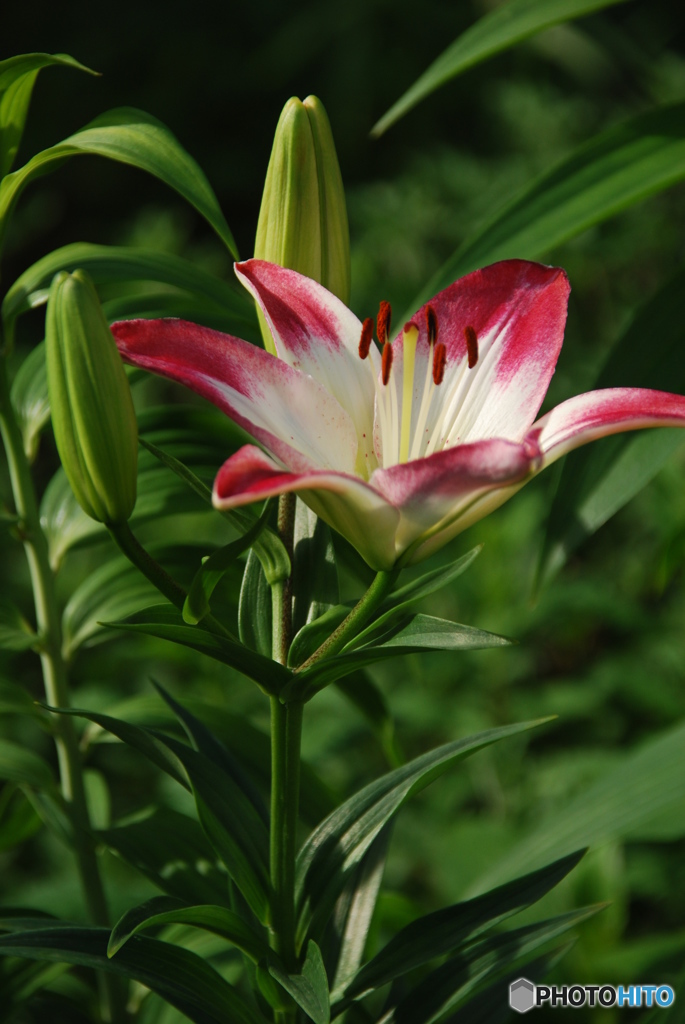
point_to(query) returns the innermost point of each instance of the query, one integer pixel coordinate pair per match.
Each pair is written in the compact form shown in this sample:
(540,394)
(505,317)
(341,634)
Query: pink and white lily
(401,450)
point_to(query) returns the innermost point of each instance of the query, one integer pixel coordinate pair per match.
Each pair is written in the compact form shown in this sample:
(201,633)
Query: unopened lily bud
(92,410)
(303,218)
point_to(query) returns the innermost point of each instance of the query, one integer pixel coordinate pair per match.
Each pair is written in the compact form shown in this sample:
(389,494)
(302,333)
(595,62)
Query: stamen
(410,337)
(383,322)
(431,325)
(439,362)
(386,362)
(471,345)
(366,338)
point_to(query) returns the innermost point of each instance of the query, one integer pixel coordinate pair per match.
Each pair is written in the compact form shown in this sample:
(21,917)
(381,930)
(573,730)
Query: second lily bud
(303,218)
(92,410)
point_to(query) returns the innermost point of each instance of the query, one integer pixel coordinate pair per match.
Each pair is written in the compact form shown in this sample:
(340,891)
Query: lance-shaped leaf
(119,264)
(479,964)
(355,909)
(30,399)
(418,633)
(649,784)
(214,568)
(17,78)
(618,168)
(172,851)
(131,137)
(19,764)
(507,25)
(163,910)
(16,634)
(336,846)
(182,978)
(445,930)
(315,577)
(166,623)
(596,482)
(309,989)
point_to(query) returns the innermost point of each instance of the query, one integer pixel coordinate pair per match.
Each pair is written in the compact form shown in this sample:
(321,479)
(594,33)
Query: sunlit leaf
(131,137)
(309,989)
(618,168)
(17,78)
(505,26)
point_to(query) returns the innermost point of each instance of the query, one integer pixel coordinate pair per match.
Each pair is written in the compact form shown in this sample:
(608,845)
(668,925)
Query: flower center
(403,403)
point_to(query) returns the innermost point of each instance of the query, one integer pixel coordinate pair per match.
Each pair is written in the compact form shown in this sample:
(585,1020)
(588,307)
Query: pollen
(383,322)
(366,338)
(471,345)
(439,363)
(386,363)
(431,325)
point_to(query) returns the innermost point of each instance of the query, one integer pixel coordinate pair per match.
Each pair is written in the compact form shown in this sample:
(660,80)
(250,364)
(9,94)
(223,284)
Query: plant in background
(397,449)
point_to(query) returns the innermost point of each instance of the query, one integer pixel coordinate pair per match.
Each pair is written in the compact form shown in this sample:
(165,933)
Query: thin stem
(55,680)
(282,590)
(357,619)
(286,733)
(286,736)
(157,575)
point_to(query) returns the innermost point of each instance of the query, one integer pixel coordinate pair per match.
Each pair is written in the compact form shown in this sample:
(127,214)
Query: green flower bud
(92,410)
(303,218)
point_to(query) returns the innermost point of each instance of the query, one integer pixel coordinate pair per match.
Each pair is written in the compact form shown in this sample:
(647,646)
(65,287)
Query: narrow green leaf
(143,740)
(19,764)
(17,78)
(30,399)
(163,910)
(166,623)
(355,909)
(182,978)
(478,965)
(117,264)
(336,846)
(131,137)
(315,577)
(618,168)
(312,634)
(417,633)
(310,988)
(233,825)
(15,632)
(172,851)
(268,547)
(648,782)
(361,691)
(508,24)
(214,568)
(207,744)
(598,480)
(429,582)
(445,930)
(255,609)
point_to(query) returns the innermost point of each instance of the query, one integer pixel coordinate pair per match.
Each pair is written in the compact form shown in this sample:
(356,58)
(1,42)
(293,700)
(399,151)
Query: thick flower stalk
(401,447)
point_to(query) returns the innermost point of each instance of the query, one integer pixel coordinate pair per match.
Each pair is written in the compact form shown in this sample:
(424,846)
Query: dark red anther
(439,362)
(366,338)
(471,345)
(383,322)
(431,325)
(386,362)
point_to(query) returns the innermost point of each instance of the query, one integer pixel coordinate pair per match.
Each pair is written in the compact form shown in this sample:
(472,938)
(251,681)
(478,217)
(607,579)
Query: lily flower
(402,448)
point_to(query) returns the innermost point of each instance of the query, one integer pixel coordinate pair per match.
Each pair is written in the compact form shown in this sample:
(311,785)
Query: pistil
(410,337)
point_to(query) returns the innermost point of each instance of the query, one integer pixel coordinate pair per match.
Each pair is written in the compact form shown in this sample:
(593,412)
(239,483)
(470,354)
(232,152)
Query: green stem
(286,736)
(157,575)
(286,733)
(48,623)
(357,619)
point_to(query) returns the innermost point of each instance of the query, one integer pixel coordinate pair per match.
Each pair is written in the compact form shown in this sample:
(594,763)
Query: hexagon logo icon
(522,995)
